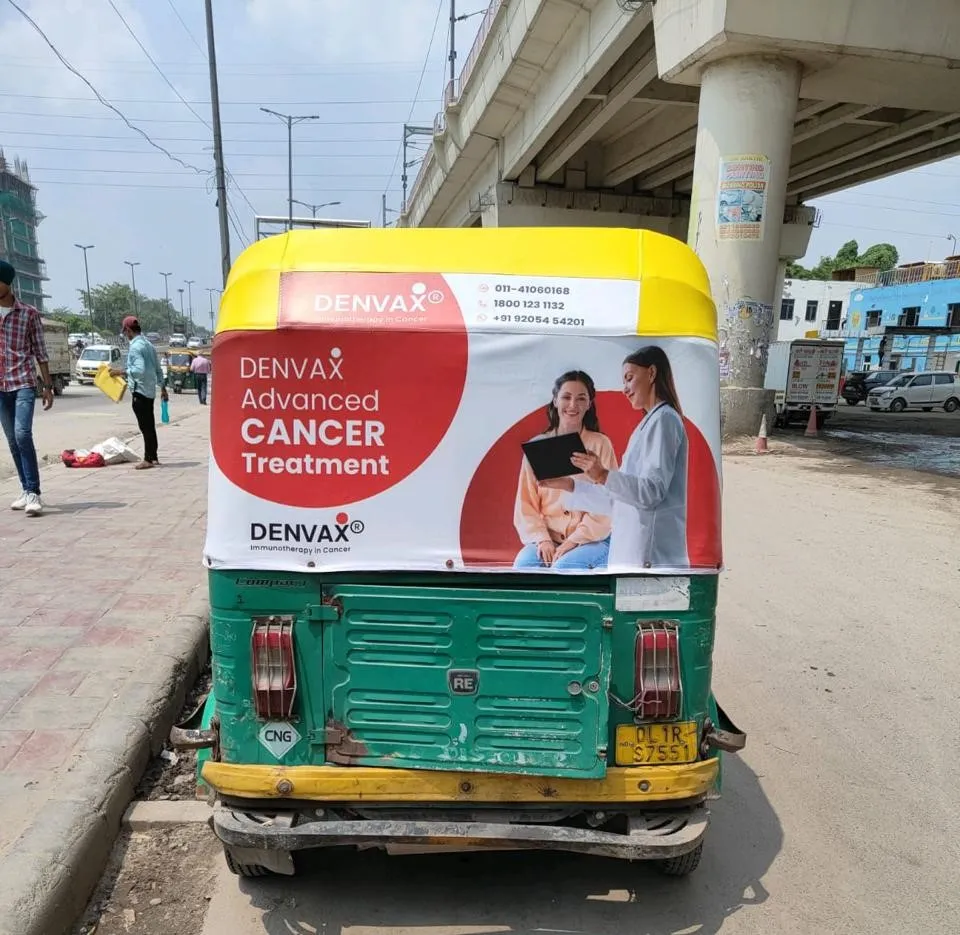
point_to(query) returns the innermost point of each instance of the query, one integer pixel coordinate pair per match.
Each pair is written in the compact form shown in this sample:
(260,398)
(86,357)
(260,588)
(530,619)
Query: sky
(365,67)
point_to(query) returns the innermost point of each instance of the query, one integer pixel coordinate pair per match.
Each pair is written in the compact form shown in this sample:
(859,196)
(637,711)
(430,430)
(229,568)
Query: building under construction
(18,230)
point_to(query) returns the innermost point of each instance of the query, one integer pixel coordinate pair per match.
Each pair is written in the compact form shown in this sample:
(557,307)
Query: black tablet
(550,457)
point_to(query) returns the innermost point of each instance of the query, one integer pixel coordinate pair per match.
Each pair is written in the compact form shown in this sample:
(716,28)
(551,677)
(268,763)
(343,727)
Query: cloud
(336,31)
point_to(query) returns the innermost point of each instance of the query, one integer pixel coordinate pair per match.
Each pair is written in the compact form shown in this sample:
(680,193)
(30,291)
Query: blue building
(909,320)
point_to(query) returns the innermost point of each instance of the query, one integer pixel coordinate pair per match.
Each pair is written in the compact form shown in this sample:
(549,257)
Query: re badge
(279,738)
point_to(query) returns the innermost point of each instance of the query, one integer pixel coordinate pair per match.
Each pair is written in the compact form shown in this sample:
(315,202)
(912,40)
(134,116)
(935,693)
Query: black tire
(928,408)
(58,387)
(250,871)
(821,419)
(898,405)
(683,865)
(852,402)
(951,405)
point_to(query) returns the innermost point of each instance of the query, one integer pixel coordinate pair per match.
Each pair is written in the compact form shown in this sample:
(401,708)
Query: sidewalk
(102,628)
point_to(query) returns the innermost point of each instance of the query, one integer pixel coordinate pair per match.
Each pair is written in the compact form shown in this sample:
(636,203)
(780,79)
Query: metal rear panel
(446,679)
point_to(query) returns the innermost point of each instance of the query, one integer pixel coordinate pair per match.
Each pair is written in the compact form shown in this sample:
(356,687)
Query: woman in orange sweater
(553,536)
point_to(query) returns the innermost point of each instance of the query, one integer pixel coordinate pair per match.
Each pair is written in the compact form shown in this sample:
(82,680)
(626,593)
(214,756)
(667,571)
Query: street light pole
(190,283)
(315,208)
(289,120)
(950,237)
(218,148)
(213,320)
(133,279)
(166,295)
(86,271)
(183,314)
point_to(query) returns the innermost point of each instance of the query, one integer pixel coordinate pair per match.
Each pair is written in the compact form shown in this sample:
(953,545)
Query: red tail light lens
(657,689)
(274,668)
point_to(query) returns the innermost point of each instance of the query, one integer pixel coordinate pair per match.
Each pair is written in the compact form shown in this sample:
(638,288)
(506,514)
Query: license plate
(656,744)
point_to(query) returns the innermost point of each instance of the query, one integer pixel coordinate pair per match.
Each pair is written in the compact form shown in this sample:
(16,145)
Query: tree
(114,301)
(883,256)
(74,322)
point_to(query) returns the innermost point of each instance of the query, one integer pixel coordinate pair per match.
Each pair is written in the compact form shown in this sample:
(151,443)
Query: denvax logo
(342,530)
(369,303)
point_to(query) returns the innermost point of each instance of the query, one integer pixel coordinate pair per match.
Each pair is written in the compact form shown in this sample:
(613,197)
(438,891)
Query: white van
(92,358)
(926,390)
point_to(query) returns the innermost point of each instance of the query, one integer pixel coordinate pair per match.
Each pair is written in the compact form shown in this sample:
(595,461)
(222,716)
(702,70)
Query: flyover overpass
(624,113)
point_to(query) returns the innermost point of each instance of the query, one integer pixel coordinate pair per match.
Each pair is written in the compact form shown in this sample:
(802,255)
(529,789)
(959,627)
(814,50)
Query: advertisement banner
(381,425)
(742,196)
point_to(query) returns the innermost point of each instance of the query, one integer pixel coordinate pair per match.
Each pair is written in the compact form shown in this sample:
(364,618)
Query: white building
(813,305)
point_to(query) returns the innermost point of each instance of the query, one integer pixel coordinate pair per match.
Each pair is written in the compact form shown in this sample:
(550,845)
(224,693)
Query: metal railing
(920,272)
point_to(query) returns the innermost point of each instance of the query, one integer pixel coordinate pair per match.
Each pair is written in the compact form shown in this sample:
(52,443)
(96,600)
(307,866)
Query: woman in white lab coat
(647,496)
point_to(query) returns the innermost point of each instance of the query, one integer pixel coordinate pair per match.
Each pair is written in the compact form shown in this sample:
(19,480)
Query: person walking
(200,368)
(144,376)
(21,344)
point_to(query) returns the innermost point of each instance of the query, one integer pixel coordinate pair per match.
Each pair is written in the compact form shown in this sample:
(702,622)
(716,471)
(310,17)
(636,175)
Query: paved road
(842,816)
(82,417)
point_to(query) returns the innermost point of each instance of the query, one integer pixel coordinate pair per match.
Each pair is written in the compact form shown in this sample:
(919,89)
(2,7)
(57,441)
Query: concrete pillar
(747,112)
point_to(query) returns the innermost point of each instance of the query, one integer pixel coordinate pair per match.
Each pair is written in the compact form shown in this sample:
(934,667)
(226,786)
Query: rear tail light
(657,689)
(274,669)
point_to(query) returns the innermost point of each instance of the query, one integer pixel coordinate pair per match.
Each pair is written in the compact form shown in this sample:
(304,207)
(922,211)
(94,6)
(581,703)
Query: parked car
(153,337)
(93,357)
(925,390)
(194,343)
(178,340)
(859,383)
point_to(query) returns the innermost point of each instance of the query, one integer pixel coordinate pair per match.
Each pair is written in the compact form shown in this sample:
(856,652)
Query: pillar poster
(742,196)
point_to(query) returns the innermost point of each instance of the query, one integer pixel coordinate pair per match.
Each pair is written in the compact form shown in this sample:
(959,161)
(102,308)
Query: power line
(157,68)
(96,184)
(100,151)
(186,29)
(234,123)
(145,100)
(416,96)
(193,139)
(315,175)
(98,95)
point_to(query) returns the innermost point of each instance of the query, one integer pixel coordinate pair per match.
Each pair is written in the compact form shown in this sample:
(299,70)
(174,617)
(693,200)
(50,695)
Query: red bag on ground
(90,459)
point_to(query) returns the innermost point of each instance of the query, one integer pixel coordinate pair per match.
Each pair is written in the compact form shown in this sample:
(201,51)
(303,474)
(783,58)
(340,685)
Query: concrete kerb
(52,869)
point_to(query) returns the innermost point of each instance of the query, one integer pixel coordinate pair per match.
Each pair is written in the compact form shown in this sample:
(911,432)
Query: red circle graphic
(316,415)
(487,535)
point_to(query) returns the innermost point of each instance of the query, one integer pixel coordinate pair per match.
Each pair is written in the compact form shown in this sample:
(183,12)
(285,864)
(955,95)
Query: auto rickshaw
(179,375)
(392,666)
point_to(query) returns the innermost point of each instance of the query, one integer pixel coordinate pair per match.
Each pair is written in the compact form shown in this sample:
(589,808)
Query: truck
(56,335)
(804,375)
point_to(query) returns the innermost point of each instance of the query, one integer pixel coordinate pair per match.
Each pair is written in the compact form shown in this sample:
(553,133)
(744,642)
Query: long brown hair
(665,388)
(591,422)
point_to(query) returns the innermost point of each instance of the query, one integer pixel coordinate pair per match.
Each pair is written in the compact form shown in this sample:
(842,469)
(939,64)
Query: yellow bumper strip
(368,784)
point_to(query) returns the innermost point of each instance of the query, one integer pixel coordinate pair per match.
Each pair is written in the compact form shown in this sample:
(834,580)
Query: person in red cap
(21,344)
(144,378)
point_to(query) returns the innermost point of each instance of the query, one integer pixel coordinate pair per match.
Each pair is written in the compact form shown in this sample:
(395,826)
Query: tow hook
(726,737)
(184,738)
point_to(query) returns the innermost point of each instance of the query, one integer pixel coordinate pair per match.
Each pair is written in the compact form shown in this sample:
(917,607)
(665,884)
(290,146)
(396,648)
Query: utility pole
(86,270)
(189,283)
(453,44)
(384,210)
(315,208)
(133,279)
(183,314)
(289,120)
(213,320)
(408,133)
(218,148)
(166,295)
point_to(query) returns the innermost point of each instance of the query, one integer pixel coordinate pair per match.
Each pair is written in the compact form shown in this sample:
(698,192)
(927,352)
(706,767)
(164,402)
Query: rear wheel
(852,402)
(898,405)
(683,865)
(58,386)
(951,405)
(244,870)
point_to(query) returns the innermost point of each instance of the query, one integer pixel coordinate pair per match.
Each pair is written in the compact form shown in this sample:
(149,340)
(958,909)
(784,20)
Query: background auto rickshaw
(385,673)
(179,377)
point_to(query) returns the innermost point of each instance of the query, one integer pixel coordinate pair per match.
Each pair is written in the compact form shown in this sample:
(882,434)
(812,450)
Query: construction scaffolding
(19,219)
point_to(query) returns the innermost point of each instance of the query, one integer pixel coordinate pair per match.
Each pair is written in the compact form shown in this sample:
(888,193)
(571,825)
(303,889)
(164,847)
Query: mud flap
(725,736)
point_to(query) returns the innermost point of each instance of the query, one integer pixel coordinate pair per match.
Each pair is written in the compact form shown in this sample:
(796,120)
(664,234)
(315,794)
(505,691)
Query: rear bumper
(351,784)
(655,836)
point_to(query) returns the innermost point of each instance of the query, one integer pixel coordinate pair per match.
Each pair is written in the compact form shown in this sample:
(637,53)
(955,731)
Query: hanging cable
(186,29)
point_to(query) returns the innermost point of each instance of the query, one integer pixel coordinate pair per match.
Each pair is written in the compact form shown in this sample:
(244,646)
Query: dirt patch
(157,882)
(172,774)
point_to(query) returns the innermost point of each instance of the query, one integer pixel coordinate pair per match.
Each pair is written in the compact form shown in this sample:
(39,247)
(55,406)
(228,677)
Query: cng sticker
(279,738)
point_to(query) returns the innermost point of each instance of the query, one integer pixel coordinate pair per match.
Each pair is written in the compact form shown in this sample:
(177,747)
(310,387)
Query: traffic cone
(761,447)
(812,428)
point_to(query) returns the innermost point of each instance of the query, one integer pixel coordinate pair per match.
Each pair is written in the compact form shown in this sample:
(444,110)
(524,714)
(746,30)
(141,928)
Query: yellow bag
(114,387)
